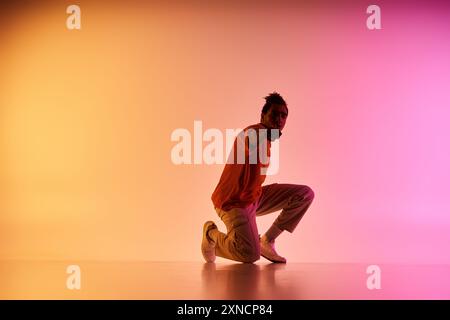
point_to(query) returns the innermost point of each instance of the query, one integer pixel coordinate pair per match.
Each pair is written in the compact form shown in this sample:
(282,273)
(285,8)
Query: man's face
(276,117)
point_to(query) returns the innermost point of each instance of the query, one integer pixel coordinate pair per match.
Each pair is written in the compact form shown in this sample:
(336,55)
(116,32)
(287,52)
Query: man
(239,196)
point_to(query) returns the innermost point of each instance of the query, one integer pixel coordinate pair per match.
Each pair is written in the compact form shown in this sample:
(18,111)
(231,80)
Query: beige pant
(241,243)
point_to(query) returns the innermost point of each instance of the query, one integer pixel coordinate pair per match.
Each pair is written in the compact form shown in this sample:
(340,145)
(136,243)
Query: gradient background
(86,118)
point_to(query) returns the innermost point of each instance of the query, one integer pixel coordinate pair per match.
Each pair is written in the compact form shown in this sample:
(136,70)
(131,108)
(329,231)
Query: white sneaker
(208,245)
(268,251)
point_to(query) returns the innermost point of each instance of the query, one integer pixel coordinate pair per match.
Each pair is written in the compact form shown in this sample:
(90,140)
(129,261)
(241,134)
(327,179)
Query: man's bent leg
(292,199)
(241,243)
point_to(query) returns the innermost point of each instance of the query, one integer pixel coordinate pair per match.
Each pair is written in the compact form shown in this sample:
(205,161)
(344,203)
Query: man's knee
(251,259)
(250,253)
(306,192)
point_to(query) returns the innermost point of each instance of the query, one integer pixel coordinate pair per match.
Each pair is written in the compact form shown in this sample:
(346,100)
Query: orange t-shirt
(241,181)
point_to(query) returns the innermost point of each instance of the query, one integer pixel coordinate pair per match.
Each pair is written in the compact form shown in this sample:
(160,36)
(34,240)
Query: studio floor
(21,279)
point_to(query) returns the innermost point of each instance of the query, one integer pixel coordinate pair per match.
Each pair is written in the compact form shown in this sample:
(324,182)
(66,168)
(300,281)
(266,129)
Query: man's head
(274,112)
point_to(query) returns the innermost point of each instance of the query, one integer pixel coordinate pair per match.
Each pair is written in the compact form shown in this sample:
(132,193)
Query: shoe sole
(271,260)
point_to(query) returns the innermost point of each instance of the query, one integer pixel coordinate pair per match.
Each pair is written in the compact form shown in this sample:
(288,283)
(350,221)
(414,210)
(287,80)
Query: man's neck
(269,133)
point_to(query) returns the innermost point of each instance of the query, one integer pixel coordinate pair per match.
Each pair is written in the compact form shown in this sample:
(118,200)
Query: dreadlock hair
(273,98)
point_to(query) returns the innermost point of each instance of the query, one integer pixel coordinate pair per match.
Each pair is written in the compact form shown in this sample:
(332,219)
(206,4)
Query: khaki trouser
(241,243)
